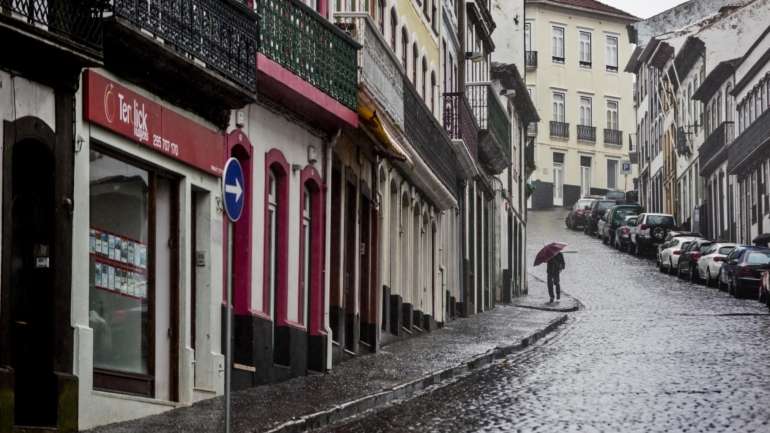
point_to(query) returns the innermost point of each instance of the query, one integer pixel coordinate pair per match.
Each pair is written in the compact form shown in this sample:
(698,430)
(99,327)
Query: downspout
(328,148)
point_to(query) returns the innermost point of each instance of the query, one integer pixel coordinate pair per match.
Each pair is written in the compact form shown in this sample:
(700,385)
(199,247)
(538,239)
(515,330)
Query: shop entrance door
(364,291)
(27,252)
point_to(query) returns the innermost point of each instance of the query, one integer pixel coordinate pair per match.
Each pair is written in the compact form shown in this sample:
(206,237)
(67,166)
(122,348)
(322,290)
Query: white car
(711,261)
(668,258)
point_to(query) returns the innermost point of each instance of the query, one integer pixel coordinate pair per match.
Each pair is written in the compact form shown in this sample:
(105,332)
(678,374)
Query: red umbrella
(548,252)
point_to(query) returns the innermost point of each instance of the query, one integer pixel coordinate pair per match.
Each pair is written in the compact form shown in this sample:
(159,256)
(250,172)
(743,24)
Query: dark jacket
(556,264)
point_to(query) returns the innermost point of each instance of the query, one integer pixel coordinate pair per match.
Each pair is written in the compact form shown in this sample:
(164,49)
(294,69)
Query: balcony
(613,137)
(530,59)
(459,121)
(38,34)
(493,120)
(529,158)
(586,133)
(559,129)
(295,38)
(713,151)
(486,15)
(197,54)
(383,84)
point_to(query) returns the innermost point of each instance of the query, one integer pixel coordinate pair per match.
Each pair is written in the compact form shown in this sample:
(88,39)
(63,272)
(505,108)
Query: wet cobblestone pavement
(648,353)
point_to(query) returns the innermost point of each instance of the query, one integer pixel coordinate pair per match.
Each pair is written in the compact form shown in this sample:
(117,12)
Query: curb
(355,407)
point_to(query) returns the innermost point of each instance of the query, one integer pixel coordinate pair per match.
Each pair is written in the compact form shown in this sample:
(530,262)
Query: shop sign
(120,110)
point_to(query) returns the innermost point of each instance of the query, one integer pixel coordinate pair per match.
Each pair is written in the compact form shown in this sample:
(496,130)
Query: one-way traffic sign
(233,189)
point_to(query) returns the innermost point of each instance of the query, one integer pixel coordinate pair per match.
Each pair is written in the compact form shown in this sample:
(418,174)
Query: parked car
(650,231)
(668,258)
(688,260)
(597,211)
(711,261)
(622,239)
(764,290)
(618,196)
(601,223)
(615,218)
(576,218)
(742,270)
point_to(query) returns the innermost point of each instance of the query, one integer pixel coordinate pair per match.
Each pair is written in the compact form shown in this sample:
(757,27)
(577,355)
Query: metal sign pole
(229,325)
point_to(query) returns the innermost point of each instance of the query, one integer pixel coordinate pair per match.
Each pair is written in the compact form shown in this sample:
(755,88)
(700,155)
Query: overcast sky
(643,8)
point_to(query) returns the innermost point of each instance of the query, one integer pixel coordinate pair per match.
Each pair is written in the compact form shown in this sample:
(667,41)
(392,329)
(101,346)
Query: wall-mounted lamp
(295,168)
(79,141)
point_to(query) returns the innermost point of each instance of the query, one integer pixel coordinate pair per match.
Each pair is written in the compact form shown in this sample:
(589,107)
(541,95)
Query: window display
(118,242)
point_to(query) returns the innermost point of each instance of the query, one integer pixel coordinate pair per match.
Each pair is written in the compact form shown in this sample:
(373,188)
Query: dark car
(742,270)
(576,218)
(597,210)
(651,230)
(688,260)
(615,219)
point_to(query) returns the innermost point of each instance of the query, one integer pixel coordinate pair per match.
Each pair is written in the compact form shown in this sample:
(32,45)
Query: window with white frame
(585,114)
(585,49)
(612,53)
(557,44)
(612,115)
(585,176)
(528,36)
(558,107)
(612,174)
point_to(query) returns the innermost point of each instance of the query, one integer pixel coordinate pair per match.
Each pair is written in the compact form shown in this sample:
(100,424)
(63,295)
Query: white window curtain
(585,111)
(612,115)
(558,44)
(585,48)
(612,53)
(558,107)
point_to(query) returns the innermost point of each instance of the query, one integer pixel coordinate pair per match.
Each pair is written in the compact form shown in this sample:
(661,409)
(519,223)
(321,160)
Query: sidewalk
(538,298)
(397,371)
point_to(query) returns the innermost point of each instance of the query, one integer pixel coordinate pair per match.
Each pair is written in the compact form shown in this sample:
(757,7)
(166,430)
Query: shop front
(147,254)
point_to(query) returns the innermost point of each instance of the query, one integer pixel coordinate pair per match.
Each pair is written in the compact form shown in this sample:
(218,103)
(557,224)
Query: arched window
(433,92)
(393,26)
(426,8)
(276,239)
(728,103)
(417,264)
(424,79)
(415,54)
(406,260)
(404,46)
(394,236)
(381,15)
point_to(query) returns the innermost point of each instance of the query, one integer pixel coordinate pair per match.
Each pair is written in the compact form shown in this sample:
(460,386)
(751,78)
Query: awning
(387,142)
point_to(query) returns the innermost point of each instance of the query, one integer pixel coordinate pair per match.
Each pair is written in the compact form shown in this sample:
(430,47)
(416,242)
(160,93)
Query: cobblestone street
(647,352)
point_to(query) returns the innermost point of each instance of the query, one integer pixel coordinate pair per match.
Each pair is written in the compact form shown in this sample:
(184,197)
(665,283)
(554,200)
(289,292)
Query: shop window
(130,207)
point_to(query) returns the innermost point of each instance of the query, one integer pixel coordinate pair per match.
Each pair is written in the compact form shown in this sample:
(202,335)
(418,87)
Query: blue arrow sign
(234,189)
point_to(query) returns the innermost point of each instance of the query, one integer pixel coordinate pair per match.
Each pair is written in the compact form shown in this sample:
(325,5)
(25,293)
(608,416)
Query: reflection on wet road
(647,353)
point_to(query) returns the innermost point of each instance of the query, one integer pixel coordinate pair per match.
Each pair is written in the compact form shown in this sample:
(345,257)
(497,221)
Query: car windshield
(604,205)
(660,220)
(631,222)
(685,246)
(726,250)
(758,258)
(622,213)
(583,204)
(704,247)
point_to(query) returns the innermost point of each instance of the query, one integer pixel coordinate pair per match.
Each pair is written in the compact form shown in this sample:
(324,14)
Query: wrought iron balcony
(613,137)
(715,143)
(586,133)
(76,21)
(459,121)
(486,14)
(530,58)
(220,34)
(302,41)
(427,136)
(559,129)
(494,123)
(529,157)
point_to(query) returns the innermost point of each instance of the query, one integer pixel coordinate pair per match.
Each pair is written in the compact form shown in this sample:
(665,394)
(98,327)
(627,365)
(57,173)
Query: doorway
(27,268)
(558,184)
(349,282)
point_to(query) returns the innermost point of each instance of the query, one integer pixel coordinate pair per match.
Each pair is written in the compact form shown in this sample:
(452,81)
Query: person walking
(555,266)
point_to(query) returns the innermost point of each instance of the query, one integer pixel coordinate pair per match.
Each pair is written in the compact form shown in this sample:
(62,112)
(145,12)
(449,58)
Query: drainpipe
(328,148)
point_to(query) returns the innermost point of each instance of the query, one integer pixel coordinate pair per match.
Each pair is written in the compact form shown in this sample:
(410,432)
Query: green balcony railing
(302,41)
